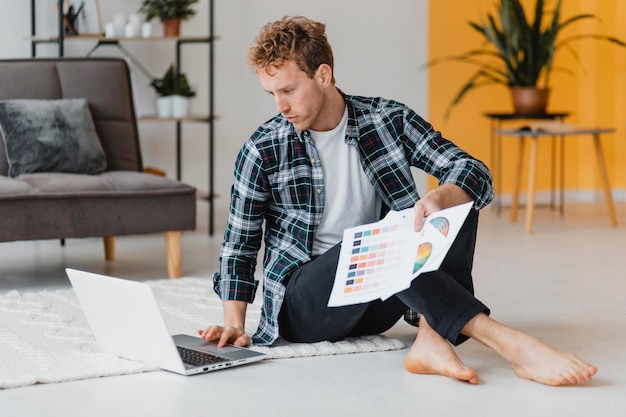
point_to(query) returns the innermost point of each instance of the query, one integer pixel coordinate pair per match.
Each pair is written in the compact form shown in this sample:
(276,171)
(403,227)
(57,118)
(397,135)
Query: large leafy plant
(518,52)
(167,9)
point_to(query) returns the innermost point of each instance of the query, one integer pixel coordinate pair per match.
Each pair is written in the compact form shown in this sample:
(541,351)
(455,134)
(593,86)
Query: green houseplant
(170,12)
(174,93)
(173,83)
(519,53)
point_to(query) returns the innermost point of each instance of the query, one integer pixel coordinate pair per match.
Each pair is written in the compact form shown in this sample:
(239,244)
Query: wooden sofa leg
(172,247)
(109,248)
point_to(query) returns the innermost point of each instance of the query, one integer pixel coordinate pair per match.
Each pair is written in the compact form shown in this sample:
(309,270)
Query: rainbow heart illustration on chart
(424,250)
(442,224)
(423,253)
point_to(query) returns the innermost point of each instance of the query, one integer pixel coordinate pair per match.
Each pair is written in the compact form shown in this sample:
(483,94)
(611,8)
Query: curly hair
(293,38)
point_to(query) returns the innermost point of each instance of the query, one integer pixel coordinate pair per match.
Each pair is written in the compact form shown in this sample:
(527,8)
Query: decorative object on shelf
(82,18)
(180,106)
(174,93)
(119,22)
(132,29)
(146,29)
(523,52)
(70,19)
(170,12)
(109,30)
(164,106)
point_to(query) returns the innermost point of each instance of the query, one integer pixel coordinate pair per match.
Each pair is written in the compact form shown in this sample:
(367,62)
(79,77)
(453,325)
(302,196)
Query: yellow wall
(595,94)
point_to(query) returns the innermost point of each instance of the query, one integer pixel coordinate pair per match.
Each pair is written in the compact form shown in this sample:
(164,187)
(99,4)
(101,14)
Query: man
(330,161)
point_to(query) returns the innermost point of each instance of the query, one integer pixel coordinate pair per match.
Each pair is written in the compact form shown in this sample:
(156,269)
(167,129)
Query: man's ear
(324,74)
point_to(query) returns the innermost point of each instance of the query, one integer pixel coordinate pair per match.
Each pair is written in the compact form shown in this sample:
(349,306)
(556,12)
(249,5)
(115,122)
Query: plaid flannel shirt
(278,180)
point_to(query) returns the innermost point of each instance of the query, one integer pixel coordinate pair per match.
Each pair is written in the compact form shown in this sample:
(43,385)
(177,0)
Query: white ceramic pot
(109,30)
(180,106)
(164,106)
(146,29)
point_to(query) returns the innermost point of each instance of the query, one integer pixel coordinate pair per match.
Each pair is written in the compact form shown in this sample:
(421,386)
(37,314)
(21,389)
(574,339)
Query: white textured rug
(45,338)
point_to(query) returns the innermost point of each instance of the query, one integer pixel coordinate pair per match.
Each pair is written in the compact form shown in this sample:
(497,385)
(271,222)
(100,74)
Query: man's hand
(234,324)
(233,335)
(442,197)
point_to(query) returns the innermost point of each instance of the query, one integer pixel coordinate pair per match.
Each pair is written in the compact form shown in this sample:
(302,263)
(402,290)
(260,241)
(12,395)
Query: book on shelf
(550,126)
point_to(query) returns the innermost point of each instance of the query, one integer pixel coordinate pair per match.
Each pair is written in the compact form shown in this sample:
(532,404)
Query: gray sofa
(63,202)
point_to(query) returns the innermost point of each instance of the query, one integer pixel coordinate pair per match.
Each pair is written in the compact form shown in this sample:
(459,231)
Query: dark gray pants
(445,297)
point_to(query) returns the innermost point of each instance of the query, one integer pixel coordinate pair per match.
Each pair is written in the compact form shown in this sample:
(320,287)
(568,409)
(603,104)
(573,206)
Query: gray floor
(565,284)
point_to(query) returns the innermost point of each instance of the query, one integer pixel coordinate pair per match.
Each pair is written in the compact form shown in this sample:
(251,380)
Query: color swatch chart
(380,259)
(374,252)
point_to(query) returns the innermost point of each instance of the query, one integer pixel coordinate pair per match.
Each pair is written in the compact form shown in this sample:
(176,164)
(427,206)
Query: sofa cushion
(75,186)
(50,136)
(114,203)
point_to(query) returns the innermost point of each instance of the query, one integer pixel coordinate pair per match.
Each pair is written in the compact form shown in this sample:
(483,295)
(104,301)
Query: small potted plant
(174,93)
(170,12)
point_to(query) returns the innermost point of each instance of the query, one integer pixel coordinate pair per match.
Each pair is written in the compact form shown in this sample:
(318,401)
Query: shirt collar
(352,130)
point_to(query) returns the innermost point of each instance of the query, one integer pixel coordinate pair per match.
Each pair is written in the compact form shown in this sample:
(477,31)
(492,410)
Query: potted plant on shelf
(520,53)
(170,12)
(174,93)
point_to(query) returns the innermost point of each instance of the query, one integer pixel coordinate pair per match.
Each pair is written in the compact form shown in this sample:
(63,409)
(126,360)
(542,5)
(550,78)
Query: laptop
(126,321)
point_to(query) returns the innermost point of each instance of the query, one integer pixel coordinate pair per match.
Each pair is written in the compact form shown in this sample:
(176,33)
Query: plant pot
(530,100)
(164,106)
(180,106)
(171,27)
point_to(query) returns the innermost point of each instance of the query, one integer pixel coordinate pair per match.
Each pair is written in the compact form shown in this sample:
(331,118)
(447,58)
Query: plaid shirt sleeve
(242,239)
(441,158)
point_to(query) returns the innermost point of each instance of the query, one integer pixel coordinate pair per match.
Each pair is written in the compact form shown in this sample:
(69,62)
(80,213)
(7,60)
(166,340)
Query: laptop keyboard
(195,358)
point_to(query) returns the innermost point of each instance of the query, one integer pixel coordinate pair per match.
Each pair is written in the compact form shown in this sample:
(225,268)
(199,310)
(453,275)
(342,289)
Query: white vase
(180,106)
(129,31)
(119,21)
(135,21)
(164,106)
(109,30)
(146,29)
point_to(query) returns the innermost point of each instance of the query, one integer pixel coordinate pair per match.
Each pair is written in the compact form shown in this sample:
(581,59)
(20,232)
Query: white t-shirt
(350,198)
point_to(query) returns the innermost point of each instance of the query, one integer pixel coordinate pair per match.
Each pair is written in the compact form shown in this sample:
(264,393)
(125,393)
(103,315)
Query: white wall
(378,48)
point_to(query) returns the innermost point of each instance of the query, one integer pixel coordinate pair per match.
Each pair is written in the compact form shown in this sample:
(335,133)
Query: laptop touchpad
(211,347)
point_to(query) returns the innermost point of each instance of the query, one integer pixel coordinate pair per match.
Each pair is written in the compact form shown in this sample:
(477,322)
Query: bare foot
(432,354)
(534,360)
(529,357)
